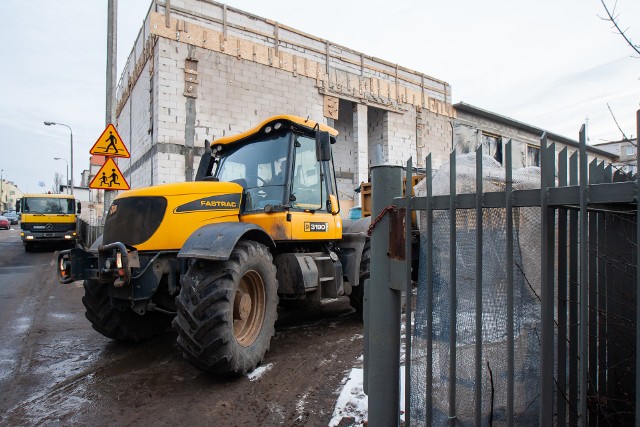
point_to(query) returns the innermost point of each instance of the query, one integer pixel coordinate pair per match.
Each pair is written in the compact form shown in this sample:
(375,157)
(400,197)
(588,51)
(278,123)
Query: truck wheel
(357,293)
(116,324)
(227,310)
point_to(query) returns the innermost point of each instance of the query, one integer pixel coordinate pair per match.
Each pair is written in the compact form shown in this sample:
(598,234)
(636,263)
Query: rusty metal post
(382,323)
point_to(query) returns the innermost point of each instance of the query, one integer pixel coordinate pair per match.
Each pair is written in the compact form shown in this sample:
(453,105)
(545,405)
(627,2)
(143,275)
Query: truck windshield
(260,167)
(46,205)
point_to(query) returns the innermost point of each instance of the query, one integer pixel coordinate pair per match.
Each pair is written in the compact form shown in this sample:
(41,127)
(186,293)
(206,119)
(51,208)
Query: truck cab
(48,218)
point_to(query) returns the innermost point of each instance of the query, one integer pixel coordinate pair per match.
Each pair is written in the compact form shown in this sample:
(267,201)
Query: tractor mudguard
(216,241)
(354,236)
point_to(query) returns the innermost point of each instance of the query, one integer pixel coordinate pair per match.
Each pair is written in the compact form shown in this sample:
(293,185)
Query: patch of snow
(301,403)
(352,402)
(22,325)
(259,371)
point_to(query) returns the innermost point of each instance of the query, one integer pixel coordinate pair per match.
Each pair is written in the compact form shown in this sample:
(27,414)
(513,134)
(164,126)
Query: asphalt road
(56,370)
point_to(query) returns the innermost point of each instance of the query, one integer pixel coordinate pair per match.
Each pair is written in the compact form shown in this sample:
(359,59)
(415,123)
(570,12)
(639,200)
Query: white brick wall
(236,94)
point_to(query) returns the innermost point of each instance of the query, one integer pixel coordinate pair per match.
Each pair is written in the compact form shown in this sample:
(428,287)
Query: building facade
(201,70)
(626,150)
(474,126)
(9,194)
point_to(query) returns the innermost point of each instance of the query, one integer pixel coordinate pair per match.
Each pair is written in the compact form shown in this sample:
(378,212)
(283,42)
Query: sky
(552,64)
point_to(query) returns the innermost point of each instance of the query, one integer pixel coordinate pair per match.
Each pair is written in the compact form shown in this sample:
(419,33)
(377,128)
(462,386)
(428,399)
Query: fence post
(383,320)
(637,272)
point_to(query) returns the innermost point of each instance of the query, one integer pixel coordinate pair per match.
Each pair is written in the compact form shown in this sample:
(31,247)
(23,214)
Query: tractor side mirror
(334,205)
(323,146)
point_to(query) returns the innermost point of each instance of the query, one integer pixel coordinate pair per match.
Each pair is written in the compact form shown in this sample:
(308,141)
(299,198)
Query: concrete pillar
(361,136)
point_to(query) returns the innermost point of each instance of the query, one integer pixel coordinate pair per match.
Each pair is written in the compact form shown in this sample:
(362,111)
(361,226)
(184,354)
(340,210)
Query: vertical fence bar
(592,386)
(547,276)
(383,320)
(429,250)
(584,277)
(602,296)
(574,343)
(479,235)
(408,217)
(452,288)
(509,230)
(637,270)
(562,295)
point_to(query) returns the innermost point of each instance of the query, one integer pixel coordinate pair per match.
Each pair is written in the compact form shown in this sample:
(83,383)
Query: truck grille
(133,220)
(48,227)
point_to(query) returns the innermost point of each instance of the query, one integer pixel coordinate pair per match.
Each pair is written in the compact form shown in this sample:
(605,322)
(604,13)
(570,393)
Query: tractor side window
(306,176)
(232,171)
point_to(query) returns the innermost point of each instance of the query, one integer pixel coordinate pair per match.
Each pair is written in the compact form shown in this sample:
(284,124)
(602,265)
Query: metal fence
(525,307)
(88,232)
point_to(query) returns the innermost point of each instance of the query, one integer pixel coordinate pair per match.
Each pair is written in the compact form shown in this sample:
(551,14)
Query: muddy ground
(56,370)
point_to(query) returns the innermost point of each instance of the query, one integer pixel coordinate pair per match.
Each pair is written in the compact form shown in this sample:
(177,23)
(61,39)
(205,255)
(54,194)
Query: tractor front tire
(227,310)
(117,324)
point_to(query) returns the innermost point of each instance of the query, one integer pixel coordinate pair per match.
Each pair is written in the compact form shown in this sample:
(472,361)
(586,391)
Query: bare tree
(614,18)
(624,136)
(58,180)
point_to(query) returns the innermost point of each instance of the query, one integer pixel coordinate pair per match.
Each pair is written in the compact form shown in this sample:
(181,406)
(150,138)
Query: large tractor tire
(116,324)
(227,310)
(357,293)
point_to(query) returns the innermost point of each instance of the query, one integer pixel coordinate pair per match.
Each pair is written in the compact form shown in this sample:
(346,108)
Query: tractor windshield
(260,167)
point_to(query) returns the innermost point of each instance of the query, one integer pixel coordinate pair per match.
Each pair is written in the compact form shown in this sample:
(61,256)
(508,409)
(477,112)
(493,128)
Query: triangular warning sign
(110,144)
(109,177)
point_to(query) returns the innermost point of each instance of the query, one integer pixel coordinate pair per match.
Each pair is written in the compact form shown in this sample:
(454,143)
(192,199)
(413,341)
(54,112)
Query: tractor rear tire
(227,310)
(357,293)
(117,324)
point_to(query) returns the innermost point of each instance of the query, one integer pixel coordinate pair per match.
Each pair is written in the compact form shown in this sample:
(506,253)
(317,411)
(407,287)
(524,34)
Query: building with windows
(474,126)
(200,70)
(9,194)
(625,150)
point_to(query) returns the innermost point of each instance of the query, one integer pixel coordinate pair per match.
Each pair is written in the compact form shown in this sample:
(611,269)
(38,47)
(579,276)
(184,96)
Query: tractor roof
(295,120)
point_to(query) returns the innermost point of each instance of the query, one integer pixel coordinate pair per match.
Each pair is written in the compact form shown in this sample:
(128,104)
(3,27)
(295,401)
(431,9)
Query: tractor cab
(285,168)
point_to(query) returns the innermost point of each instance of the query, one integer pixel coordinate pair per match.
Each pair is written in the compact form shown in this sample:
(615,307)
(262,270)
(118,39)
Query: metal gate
(525,307)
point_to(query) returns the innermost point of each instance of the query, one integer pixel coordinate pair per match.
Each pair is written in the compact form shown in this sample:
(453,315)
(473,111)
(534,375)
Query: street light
(67,126)
(65,160)
(1,184)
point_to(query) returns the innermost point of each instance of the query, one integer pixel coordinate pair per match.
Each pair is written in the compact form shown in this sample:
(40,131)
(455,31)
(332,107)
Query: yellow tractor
(259,226)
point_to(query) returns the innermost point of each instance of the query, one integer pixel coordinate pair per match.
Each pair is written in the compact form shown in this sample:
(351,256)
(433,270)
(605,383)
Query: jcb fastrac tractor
(260,225)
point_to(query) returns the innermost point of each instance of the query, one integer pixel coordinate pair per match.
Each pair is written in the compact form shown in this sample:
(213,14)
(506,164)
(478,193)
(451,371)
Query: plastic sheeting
(526,288)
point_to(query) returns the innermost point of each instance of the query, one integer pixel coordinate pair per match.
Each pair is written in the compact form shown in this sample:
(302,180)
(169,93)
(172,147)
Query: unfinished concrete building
(201,70)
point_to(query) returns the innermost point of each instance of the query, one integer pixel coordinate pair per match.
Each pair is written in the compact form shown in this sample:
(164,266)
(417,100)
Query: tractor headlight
(119,261)
(277,126)
(267,129)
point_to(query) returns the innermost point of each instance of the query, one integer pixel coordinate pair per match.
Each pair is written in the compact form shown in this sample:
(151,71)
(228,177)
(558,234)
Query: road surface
(56,370)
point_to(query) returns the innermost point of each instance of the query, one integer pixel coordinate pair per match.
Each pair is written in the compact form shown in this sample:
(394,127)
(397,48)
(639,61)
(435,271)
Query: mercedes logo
(49,226)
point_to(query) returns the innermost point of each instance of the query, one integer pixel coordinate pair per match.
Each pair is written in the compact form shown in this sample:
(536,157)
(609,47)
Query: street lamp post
(71,132)
(1,188)
(65,160)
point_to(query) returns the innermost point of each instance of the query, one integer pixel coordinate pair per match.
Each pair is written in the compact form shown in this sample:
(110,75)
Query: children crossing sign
(110,144)
(109,177)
